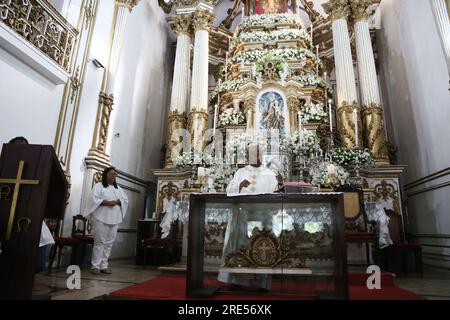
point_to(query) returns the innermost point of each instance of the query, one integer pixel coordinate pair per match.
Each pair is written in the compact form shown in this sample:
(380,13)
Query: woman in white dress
(107,208)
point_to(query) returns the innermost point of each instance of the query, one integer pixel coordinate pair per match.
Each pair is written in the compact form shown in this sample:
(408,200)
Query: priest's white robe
(105,221)
(262,181)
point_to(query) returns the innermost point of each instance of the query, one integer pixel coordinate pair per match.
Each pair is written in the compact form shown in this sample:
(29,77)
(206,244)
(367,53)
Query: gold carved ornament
(176,121)
(360,9)
(347,125)
(386,191)
(41,25)
(170,191)
(264,251)
(107,102)
(17,182)
(181,24)
(203,20)
(337,9)
(129,4)
(375,137)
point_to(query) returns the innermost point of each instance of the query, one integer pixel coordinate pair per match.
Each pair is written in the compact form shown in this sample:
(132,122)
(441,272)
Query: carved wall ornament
(88,13)
(97,177)
(337,9)
(375,136)
(385,191)
(203,20)
(360,9)
(106,102)
(181,24)
(167,191)
(176,121)
(75,84)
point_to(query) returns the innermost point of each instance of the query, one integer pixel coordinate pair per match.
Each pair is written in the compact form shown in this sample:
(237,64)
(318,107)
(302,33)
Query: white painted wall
(415,84)
(139,114)
(30,102)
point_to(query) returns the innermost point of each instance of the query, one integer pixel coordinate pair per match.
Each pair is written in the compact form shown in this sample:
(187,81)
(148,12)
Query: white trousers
(104,236)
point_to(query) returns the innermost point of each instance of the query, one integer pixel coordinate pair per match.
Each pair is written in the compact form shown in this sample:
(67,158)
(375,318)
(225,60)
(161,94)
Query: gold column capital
(359,9)
(181,23)
(130,4)
(203,20)
(337,9)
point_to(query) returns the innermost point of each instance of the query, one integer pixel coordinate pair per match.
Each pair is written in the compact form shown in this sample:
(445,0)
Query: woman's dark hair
(19,140)
(105,180)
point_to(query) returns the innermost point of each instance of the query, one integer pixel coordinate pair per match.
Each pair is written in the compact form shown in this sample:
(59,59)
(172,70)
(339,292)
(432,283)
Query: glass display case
(280,244)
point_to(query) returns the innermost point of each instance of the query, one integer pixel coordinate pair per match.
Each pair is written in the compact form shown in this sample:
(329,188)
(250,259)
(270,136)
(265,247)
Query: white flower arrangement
(314,113)
(228,86)
(319,176)
(231,118)
(351,157)
(264,20)
(290,54)
(275,35)
(307,144)
(189,159)
(238,144)
(313,80)
(222,174)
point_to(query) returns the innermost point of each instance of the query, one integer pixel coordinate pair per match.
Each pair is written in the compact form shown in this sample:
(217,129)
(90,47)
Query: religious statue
(273,118)
(267,6)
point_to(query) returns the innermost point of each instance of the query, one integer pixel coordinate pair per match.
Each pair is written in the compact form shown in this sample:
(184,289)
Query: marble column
(181,25)
(442,13)
(372,109)
(198,117)
(339,11)
(122,9)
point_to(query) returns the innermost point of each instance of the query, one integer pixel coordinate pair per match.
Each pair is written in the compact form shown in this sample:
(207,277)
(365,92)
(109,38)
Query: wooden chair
(402,248)
(79,239)
(357,227)
(163,249)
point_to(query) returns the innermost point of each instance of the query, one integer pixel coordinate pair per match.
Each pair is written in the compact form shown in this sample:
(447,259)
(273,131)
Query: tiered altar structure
(272,77)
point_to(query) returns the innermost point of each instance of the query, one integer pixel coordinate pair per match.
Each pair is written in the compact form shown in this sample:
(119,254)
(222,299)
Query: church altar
(275,89)
(292,238)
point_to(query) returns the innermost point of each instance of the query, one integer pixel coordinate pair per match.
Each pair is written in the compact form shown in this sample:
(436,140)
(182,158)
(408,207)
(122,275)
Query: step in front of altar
(270,271)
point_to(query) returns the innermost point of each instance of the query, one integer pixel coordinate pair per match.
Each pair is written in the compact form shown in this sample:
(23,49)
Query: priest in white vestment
(253,179)
(107,208)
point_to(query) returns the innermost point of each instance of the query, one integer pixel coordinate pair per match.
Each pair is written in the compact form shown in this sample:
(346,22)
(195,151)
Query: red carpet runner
(173,288)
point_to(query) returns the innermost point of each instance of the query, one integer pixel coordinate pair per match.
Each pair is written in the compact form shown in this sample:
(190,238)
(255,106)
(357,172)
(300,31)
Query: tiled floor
(435,285)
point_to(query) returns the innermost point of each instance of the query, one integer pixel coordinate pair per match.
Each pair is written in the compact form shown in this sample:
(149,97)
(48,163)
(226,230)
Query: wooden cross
(17,182)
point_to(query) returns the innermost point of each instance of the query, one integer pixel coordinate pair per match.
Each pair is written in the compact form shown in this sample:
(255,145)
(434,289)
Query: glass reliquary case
(281,244)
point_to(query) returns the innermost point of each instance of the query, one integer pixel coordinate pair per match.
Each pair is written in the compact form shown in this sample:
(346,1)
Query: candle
(243,14)
(317,64)
(226,67)
(355,119)
(312,33)
(216,110)
(331,169)
(300,129)
(330,111)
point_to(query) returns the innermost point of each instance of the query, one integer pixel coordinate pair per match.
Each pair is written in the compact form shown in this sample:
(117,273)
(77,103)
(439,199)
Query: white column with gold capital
(339,10)
(198,117)
(181,25)
(373,119)
(122,9)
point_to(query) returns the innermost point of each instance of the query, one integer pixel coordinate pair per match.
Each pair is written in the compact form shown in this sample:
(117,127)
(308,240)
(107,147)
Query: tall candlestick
(355,119)
(226,67)
(330,110)
(317,64)
(300,128)
(312,33)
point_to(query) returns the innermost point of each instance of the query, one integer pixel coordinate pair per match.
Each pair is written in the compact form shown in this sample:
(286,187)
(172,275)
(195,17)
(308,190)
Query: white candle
(312,33)
(331,169)
(201,172)
(317,64)
(355,119)
(300,128)
(216,110)
(226,67)
(330,111)
(243,14)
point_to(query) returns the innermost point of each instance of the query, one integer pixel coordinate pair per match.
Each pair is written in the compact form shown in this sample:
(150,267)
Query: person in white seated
(107,207)
(252,179)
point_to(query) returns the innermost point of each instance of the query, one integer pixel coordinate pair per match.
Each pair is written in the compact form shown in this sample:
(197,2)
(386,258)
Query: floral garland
(227,86)
(351,157)
(309,144)
(276,35)
(264,20)
(314,113)
(313,80)
(319,176)
(290,54)
(222,175)
(234,118)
